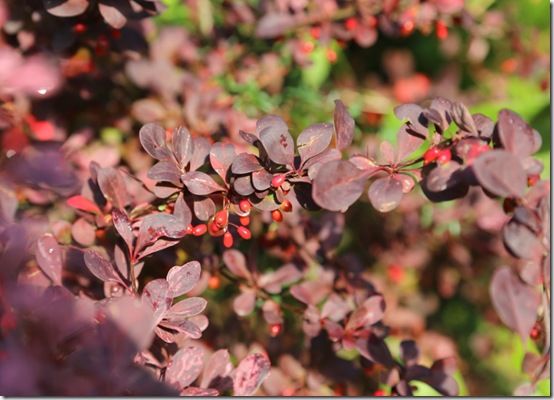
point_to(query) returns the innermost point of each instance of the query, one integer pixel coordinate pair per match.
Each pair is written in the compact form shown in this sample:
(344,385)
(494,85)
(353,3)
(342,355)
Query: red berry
(430,155)
(199,230)
(315,31)
(395,273)
(79,28)
(214,229)
(214,282)
(441,30)
(351,24)
(277,216)
(533,179)
(535,332)
(444,156)
(407,28)
(275,329)
(307,47)
(116,33)
(371,21)
(189,230)
(245,205)
(244,232)
(379,393)
(331,55)
(228,240)
(278,180)
(286,206)
(221,218)
(244,221)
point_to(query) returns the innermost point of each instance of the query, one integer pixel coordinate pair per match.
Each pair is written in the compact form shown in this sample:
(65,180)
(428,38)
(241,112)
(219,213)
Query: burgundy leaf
(462,117)
(344,126)
(201,147)
(444,177)
(66,8)
(200,183)
(501,173)
(83,232)
(250,374)
(236,262)
(261,180)
(204,208)
(441,382)
(408,142)
(244,163)
(516,135)
(123,226)
(414,114)
(187,308)
(157,295)
(49,258)
(385,194)
(183,146)
(181,211)
(276,139)
(186,326)
(165,171)
(409,352)
(112,15)
(183,278)
(113,187)
(152,138)
(273,25)
(217,370)
(338,184)
(244,303)
(370,312)
(272,312)
(243,185)
(185,366)
(100,267)
(521,241)
(515,302)
(314,140)
(155,226)
(273,281)
(221,158)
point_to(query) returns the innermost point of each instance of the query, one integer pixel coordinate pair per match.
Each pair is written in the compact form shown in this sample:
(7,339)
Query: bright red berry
(533,179)
(278,180)
(199,230)
(351,24)
(535,332)
(379,393)
(228,240)
(245,205)
(441,30)
(430,155)
(407,28)
(221,218)
(214,229)
(277,215)
(444,156)
(189,230)
(244,221)
(286,206)
(244,232)
(275,329)
(331,55)
(395,273)
(79,28)
(315,31)
(371,21)
(307,47)
(214,282)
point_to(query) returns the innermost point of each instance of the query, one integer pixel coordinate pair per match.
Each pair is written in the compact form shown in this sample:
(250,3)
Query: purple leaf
(441,382)
(204,208)
(182,146)
(244,303)
(100,267)
(385,194)
(344,126)
(521,241)
(273,281)
(314,140)
(183,278)
(187,308)
(443,177)
(201,147)
(156,294)
(200,183)
(83,232)
(217,370)
(273,25)
(515,302)
(414,114)
(112,15)
(123,226)
(185,366)
(155,226)
(152,138)
(261,180)
(516,135)
(165,171)
(500,173)
(276,139)
(113,187)
(462,117)
(245,163)
(49,258)
(250,374)
(236,262)
(408,142)
(243,185)
(338,184)
(221,158)
(409,352)
(370,312)
(66,8)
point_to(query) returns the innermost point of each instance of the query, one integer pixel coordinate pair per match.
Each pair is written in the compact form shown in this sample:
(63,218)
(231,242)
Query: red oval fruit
(245,205)
(228,240)
(379,393)
(351,24)
(244,232)
(533,179)
(430,155)
(79,28)
(441,30)
(278,180)
(214,282)
(275,329)
(315,31)
(244,221)
(221,218)
(331,55)
(286,206)
(277,215)
(189,230)
(444,156)
(199,230)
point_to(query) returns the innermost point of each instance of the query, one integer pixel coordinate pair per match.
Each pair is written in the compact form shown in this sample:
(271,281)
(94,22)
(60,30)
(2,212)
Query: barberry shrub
(140,336)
